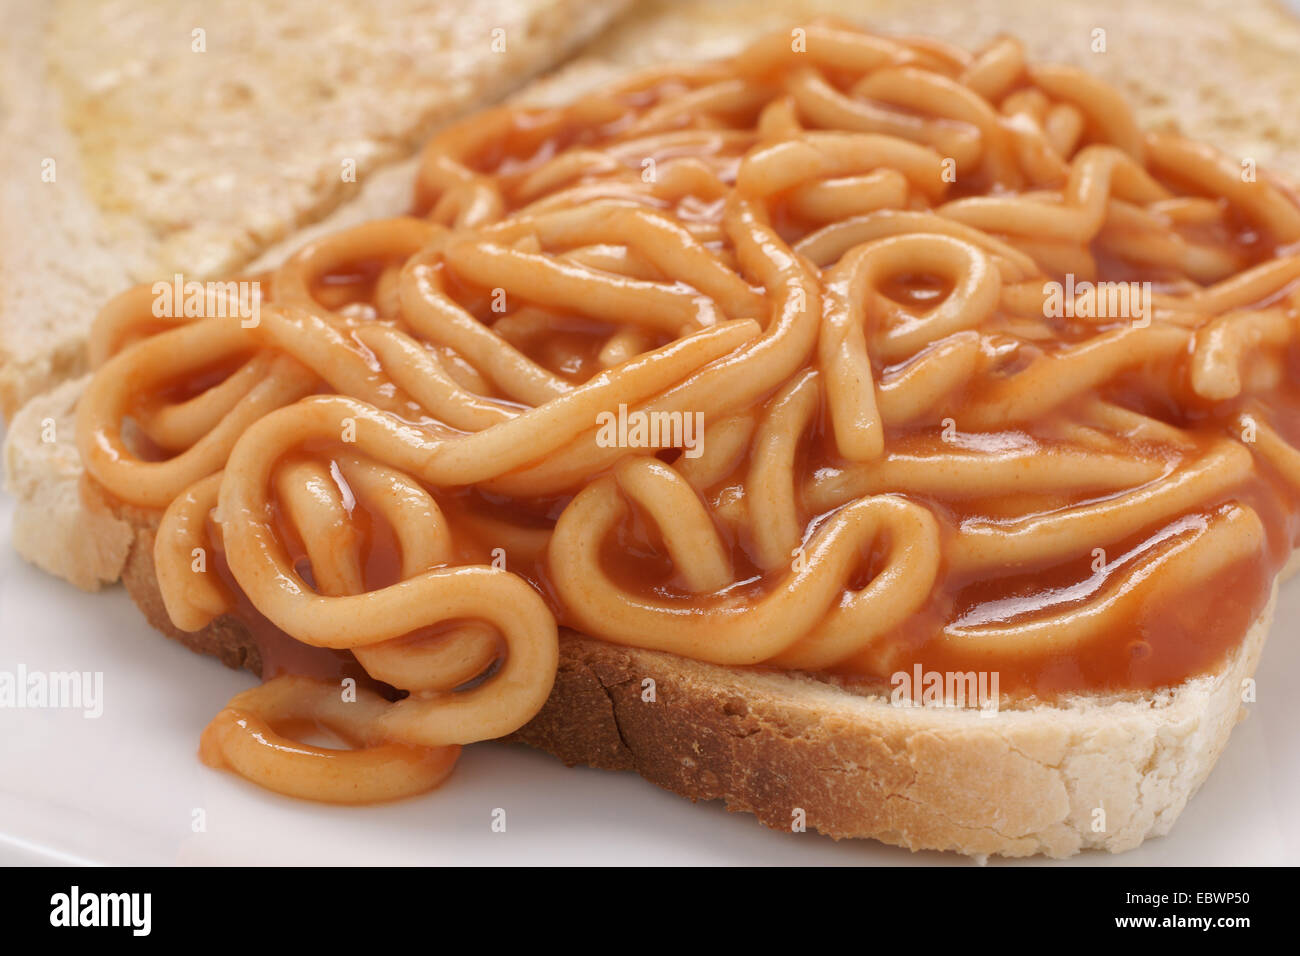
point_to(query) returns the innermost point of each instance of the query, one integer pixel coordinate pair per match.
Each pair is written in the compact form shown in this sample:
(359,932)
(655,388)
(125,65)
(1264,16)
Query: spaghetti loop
(243,737)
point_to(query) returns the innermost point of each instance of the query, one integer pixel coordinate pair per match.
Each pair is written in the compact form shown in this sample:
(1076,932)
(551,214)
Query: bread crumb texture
(188,136)
(1090,772)
(55,527)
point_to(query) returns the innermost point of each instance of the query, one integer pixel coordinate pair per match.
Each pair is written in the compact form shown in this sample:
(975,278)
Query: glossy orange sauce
(1186,633)
(1164,643)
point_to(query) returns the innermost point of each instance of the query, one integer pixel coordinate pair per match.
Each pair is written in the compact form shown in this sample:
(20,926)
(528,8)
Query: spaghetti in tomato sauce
(988,379)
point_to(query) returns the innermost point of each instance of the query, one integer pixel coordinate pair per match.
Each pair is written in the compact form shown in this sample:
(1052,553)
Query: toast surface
(119,177)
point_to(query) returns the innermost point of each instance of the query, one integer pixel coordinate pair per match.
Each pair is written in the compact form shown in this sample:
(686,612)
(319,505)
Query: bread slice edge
(798,752)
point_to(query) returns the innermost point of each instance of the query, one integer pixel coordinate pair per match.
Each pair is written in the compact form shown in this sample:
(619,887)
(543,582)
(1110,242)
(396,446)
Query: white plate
(125,788)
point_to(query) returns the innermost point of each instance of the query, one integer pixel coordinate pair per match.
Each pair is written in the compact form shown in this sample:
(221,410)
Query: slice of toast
(146,139)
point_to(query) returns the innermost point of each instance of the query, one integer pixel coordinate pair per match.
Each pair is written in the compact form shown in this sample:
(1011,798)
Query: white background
(124,788)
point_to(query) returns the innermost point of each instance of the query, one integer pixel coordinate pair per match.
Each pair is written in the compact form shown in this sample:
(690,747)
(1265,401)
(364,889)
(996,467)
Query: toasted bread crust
(790,748)
(56,527)
(225,638)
